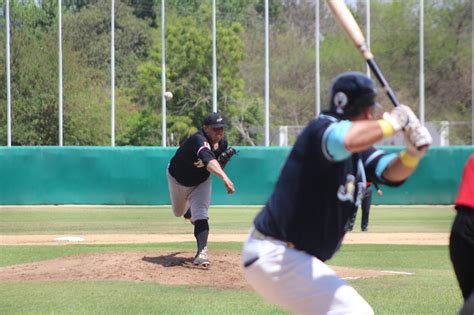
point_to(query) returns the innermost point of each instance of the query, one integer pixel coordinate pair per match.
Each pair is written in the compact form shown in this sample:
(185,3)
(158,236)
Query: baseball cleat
(202,259)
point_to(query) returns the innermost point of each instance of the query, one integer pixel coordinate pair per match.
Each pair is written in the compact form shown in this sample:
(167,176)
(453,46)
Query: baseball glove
(225,156)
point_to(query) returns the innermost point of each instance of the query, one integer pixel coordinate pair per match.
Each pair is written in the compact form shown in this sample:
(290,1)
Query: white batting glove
(413,121)
(417,139)
(400,117)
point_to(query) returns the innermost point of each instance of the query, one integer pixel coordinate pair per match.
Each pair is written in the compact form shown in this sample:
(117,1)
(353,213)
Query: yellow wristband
(387,127)
(409,160)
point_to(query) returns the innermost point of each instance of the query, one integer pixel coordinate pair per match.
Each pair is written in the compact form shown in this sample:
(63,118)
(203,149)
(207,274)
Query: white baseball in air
(168,95)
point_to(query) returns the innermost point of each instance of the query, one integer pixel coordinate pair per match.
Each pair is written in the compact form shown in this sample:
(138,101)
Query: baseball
(168,95)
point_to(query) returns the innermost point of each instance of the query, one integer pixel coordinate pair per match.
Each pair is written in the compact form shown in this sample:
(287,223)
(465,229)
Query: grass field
(431,290)
(234,219)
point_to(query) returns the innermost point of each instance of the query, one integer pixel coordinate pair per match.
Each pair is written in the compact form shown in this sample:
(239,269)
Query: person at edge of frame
(365,205)
(190,183)
(319,188)
(461,240)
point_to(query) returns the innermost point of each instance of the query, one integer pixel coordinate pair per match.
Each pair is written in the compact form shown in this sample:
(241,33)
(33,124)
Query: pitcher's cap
(214,120)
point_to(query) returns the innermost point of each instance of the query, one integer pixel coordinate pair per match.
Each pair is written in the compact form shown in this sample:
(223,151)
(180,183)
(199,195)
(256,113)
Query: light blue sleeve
(333,140)
(383,163)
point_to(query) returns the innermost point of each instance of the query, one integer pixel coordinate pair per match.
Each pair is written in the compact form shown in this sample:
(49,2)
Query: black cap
(214,120)
(351,93)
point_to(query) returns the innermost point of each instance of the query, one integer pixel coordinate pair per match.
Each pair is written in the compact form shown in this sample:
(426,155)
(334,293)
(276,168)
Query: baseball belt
(256,234)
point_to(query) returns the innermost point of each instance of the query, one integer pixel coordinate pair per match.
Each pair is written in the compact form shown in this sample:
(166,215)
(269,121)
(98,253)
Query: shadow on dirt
(171,260)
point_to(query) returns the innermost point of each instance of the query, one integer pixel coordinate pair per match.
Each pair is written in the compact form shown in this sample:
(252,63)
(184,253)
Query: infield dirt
(173,267)
(170,268)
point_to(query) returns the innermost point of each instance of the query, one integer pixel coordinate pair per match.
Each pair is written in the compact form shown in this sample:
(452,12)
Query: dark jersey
(315,195)
(188,165)
(465,195)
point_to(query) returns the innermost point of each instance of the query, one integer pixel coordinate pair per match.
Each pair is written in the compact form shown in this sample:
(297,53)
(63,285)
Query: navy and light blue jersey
(319,188)
(188,165)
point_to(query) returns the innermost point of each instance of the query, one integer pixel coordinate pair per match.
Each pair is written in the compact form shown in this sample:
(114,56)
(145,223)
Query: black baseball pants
(461,249)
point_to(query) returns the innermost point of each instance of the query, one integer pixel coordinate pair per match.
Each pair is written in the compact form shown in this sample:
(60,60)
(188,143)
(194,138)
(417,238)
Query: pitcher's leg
(179,195)
(200,199)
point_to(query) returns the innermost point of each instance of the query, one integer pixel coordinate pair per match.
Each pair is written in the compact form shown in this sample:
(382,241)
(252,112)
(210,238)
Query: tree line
(240,65)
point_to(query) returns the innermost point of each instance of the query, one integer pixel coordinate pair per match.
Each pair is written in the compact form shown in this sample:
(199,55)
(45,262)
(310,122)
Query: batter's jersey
(466,189)
(188,165)
(315,195)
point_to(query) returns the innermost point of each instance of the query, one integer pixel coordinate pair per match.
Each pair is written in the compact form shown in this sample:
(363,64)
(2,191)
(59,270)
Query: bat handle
(376,70)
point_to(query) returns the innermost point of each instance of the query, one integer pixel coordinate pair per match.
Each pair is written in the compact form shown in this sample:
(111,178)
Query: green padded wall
(136,176)
(83,175)
(435,181)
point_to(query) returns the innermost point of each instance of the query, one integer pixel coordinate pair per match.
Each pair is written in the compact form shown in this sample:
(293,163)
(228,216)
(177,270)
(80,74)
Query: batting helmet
(352,93)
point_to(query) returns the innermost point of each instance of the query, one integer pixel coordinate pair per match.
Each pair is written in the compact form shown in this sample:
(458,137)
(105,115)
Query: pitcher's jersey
(188,165)
(315,195)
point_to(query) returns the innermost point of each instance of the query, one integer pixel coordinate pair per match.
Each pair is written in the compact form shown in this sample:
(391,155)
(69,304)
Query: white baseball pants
(298,281)
(198,198)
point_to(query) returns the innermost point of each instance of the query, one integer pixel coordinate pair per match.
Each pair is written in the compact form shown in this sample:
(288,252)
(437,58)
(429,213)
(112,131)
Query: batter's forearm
(362,135)
(397,171)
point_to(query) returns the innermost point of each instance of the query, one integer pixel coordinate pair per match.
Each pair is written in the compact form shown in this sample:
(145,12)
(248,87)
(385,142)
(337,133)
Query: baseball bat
(348,23)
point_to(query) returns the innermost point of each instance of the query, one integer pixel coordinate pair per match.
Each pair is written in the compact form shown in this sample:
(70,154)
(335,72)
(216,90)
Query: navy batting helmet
(352,93)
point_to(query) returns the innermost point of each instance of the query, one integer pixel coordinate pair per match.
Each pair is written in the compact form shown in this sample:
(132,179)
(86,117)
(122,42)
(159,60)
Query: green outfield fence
(136,176)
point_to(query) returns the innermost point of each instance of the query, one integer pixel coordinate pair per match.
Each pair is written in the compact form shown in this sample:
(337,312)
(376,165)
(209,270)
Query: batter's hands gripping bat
(346,20)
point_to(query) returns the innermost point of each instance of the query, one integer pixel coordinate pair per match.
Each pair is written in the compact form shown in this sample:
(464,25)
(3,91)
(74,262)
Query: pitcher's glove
(225,156)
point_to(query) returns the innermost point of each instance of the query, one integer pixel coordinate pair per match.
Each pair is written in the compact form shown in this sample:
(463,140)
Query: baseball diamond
(118,248)
(210,157)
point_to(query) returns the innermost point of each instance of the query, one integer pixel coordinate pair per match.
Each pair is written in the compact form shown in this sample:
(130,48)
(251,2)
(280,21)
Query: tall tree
(88,32)
(35,95)
(189,70)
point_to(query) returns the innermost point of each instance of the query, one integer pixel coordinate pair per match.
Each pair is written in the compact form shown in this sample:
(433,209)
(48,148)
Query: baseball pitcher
(189,180)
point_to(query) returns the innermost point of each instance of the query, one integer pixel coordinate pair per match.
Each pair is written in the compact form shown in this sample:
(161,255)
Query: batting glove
(417,141)
(417,136)
(398,118)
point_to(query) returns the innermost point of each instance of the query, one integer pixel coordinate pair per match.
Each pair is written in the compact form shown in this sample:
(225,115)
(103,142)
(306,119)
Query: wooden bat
(348,23)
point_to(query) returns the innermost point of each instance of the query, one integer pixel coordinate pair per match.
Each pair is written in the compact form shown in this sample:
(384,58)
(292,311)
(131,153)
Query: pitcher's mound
(174,268)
